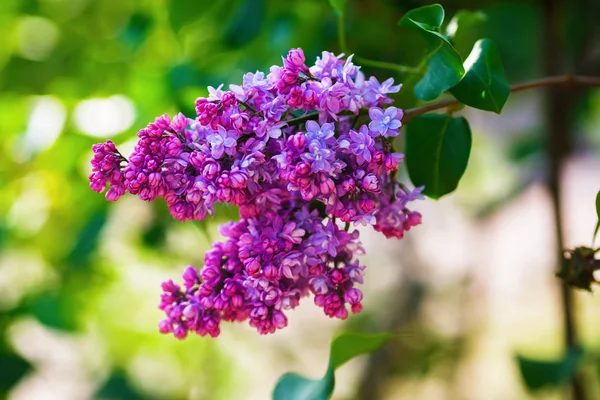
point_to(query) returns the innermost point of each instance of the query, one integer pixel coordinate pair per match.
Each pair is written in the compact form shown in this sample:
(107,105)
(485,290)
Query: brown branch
(567,80)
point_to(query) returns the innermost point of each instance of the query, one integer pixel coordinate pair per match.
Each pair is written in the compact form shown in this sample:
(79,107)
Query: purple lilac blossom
(246,147)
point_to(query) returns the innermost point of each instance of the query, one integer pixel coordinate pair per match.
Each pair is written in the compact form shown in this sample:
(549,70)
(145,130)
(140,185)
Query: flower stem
(405,69)
(567,80)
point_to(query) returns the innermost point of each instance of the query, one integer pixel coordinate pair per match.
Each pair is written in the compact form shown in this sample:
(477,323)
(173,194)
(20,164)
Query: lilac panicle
(246,147)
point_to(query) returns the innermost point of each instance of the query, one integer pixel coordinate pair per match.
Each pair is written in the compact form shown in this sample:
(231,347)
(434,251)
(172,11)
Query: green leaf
(136,30)
(444,65)
(437,152)
(338,6)
(87,240)
(484,85)
(345,347)
(183,12)
(538,374)
(245,23)
(464,29)
(13,368)
(598,215)
(118,387)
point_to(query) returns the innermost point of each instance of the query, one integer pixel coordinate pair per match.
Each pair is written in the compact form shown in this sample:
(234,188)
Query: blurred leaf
(87,240)
(598,215)
(117,387)
(538,374)
(445,68)
(137,29)
(12,369)
(437,152)
(53,311)
(245,24)
(338,6)
(183,12)
(464,29)
(345,347)
(484,85)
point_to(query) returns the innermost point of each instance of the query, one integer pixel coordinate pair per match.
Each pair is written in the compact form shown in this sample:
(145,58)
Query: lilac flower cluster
(276,146)
(266,265)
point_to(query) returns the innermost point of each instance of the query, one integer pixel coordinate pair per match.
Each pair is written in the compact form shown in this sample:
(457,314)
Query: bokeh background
(80,278)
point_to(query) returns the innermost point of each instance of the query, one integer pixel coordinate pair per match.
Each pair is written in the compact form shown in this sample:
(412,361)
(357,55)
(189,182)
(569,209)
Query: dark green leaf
(338,6)
(484,85)
(53,311)
(12,369)
(87,239)
(538,374)
(137,29)
(343,348)
(437,152)
(183,12)
(444,65)
(245,24)
(118,387)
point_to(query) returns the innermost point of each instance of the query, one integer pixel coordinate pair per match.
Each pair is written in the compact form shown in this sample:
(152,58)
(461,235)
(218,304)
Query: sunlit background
(80,278)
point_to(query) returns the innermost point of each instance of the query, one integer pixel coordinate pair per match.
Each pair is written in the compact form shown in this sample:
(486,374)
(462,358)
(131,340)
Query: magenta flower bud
(371,183)
(228,99)
(414,219)
(220,302)
(154,179)
(341,313)
(209,272)
(223,180)
(197,159)
(358,174)
(366,205)
(336,277)
(174,147)
(320,300)
(378,157)
(180,332)
(113,194)
(180,122)
(318,285)
(289,77)
(252,266)
(302,168)
(224,195)
(211,169)
(294,98)
(190,277)
(238,179)
(295,57)
(259,312)
(240,121)
(327,186)
(190,311)
(392,161)
(237,301)
(309,98)
(353,296)
(165,326)
(271,297)
(270,271)
(348,185)
(162,122)
(297,141)
(279,319)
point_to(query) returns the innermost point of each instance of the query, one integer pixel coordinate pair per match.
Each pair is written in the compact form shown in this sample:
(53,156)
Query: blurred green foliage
(85,269)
